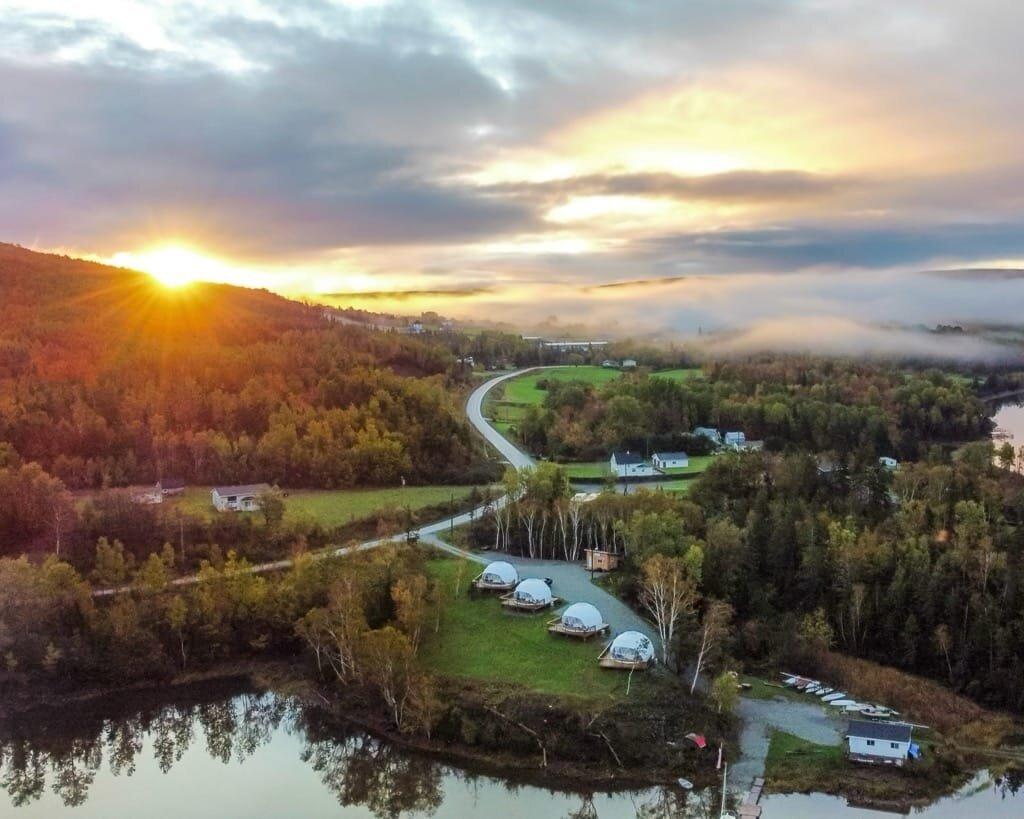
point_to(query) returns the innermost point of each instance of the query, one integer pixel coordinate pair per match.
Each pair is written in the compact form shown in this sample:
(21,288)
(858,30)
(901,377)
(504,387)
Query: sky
(758,161)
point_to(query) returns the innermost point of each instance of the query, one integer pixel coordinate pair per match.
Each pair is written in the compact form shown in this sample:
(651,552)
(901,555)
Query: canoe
(823,692)
(685,784)
(843,703)
(877,713)
(856,708)
(831,698)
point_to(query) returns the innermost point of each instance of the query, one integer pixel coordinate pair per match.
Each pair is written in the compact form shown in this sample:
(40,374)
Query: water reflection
(250,753)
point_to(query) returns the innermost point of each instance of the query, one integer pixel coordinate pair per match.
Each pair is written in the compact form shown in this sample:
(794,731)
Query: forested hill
(108,379)
(60,313)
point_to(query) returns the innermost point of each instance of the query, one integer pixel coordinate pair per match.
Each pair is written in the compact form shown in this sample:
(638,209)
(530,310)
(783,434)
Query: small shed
(598,560)
(531,594)
(630,650)
(497,576)
(735,439)
(888,463)
(886,743)
(581,620)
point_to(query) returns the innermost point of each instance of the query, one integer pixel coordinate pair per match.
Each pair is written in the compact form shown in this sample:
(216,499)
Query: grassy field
(524,390)
(480,640)
(598,470)
(334,507)
(793,762)
(698,463)
(679,375)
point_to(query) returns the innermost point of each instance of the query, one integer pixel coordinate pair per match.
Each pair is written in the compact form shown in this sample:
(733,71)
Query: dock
(749,807)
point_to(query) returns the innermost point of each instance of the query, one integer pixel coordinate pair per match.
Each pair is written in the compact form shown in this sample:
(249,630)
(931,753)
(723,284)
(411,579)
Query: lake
(216,752)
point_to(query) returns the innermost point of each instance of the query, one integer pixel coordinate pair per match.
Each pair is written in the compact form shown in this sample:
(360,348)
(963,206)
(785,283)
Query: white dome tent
(499,575)
(629,650)
(579,620)
(532,594)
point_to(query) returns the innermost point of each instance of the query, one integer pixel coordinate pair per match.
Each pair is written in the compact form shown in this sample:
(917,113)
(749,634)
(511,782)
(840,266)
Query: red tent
(698,740)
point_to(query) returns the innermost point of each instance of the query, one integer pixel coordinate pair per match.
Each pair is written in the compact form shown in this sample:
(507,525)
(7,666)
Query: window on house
(871,742)
(894,745)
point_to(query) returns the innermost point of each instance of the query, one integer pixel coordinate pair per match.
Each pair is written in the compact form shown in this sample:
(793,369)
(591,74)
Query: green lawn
(480,640)
(679,375)
(598,470)
(795,763)
(334,507)
(524,390)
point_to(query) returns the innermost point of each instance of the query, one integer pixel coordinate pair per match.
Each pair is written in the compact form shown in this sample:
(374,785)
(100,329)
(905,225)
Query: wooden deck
(605,660)
(508,601)
(481,585)
(750,809)
(555,627)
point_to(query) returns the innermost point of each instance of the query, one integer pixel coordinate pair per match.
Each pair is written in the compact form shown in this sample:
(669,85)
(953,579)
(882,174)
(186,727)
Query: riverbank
(486,728)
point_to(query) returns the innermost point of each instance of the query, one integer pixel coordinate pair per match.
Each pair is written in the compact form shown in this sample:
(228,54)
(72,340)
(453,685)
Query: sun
(171,265)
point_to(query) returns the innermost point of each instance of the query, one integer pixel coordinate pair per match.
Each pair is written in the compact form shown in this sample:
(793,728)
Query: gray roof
(886,731)
(244,489)
(671,456)
(627,458)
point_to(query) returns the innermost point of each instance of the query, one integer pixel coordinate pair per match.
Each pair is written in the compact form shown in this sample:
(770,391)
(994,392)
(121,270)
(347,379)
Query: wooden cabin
(599,560)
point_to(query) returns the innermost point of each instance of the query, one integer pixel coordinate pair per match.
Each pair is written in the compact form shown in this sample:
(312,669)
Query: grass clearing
(795,764)
(335,507)
(479,640)
(698,463)
(524,390)
(679,374)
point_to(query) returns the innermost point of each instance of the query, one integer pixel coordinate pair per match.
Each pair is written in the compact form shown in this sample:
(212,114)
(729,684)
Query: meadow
(478,639)
(336,507)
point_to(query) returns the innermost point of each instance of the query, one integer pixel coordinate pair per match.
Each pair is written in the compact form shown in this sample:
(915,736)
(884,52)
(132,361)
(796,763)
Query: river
(221,752)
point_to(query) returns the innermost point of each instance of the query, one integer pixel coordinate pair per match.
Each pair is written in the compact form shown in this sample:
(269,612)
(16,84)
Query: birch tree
(715,627)
(668,591)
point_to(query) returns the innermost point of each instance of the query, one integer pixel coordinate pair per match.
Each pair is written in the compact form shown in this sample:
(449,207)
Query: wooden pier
(750,808)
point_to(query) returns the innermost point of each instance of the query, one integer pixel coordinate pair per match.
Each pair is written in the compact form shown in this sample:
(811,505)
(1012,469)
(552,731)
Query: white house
(889,463)
(239,498)
(888,743)
(735,439)
(628,465)
(710,433)
(628,364)
(671,460)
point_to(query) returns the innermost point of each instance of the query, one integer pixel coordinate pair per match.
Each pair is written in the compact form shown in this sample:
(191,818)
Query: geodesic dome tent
(632,647)
(500,573)
(533,590)
(582,617)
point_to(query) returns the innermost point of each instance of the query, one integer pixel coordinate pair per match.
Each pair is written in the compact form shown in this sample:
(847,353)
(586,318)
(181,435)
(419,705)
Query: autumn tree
(668,591)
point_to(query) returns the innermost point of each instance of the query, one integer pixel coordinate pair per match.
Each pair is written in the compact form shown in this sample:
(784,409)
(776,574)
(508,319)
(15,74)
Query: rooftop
(671,456)
(627,458)
(244,489)
(887,731)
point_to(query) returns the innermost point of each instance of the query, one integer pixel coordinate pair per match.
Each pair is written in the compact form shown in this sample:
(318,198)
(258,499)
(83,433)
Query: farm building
(889,463)
(244,498)
(598,560)
(710,433)
(629,650)
(887,743)
(735,439)
(497,576)
(628,465)
(532,594)
(628,364)
(170,486)
(671,460)
(579,620)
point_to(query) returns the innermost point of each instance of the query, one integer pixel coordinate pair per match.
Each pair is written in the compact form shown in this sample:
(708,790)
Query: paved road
(475,412)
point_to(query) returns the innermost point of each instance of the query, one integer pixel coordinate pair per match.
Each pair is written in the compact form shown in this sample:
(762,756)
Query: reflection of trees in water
(361,770)
(1011,781)
(357,769)
(673,803)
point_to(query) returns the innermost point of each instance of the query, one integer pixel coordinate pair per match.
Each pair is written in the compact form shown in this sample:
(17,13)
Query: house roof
(627,458)
(886,731)
(671,456)
(244,489)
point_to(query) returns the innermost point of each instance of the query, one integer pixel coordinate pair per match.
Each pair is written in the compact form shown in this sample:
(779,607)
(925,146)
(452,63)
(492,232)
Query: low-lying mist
(862,313)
